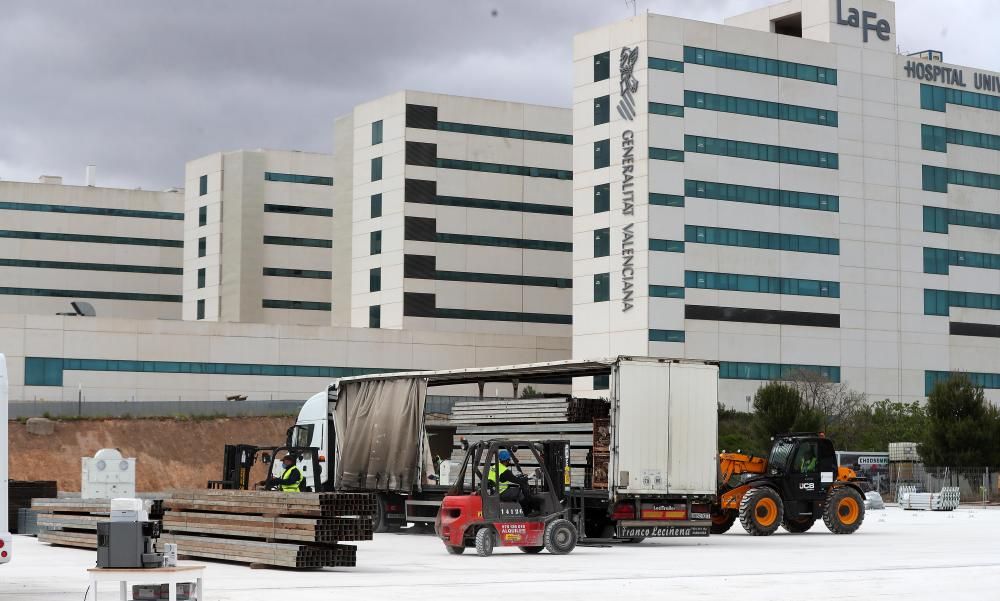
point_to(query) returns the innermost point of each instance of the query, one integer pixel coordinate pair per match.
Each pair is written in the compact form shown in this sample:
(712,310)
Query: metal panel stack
(550,418)
(602,454)
(72,522)
(293,530)
(20,494)
(946,500)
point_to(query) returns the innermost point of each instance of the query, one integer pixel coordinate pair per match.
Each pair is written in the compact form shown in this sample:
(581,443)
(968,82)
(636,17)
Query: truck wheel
(453,550)
(381,522)
(485,539)
(797,525)
(845,510)
(760,511)
(531,550)
(722,520)
(560,537)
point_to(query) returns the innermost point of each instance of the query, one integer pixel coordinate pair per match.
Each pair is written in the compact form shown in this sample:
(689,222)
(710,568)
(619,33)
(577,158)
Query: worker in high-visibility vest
(511,487)
(291,479)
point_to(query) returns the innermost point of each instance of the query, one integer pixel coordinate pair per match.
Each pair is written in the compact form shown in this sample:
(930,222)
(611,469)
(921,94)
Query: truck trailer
(6,547)
(367,433)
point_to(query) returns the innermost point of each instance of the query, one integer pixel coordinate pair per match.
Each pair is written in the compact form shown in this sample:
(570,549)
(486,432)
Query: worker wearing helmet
(291,479)
(510,486)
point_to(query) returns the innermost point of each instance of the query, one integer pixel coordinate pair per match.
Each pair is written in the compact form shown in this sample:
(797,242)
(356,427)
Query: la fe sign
(866,21)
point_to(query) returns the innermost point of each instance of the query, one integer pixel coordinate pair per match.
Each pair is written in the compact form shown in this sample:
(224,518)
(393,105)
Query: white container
(904,451)
(664,427)
(107,475)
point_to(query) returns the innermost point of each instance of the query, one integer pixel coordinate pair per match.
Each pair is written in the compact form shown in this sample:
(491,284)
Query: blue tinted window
(756,64)
(759,283)
(602,154)
(501,205)
(666,200)
(602,287)
(938,302)
(298,210)
(763,196)
(936,179)
(377,132)
(743,370)
(664,64)
(375,316)
(937,260)
(761,152)
(269,303)
(446,238)
(375,279)
(376,169)
(759,108)
(92,239)
(376,206)
(669,246)
(129,296)
(504,169)
(666,291)
(91,266)
(505,132)
(298,273)
(602,242)
(666,335)
(984,380)
(289,241)
(669,110)
(293,178)
(375,243)
(936,98)
(104,212)
(602,66)
(602,110)
(767,240)
(203,185)
(666,154)
(602,198)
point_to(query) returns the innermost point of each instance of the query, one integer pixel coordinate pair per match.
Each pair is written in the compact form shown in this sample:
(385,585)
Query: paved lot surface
(897,555)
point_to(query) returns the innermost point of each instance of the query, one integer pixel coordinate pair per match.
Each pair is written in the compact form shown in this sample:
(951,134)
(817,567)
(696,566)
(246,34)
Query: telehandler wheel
(485,539)
(761,511)
(797,525)
(531,550)
(845,510)
(560,537)
(722,520)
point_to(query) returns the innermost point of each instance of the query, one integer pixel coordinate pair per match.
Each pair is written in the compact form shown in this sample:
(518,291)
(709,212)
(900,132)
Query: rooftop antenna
(632,4)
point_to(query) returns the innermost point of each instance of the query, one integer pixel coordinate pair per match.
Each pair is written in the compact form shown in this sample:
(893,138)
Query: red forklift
(473,515)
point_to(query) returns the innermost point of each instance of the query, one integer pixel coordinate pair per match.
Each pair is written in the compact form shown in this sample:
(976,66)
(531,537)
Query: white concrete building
(459,214)
(257,237)
(119,250)
(786,191)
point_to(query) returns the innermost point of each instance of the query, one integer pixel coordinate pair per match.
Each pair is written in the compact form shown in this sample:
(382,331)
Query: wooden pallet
(66,538)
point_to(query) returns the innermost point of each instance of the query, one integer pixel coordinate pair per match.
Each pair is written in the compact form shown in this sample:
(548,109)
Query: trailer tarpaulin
(380,434)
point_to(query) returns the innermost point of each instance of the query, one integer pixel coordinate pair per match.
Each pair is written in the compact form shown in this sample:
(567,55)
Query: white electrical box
(107,475)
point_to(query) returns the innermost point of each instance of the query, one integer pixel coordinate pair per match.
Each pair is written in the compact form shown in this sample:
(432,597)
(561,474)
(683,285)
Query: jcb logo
(807,486)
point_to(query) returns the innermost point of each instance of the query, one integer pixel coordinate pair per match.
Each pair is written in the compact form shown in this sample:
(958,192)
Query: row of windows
(666,200)
(935,98)
(669,110)
(756,64)
(505,132)
(761,152)
(128,296)
(764,196)
(759,108)
(666,335)
(776,317)
(983,380)
(297,273)
(937,219)
(665,64)
(482,315)
(104,212)
(936,179)
(91,266)
(294,178)
(657,291)
(502,278)
(501,205)
(666,154)
(505,169)
(741,370)
(760,283)
(937,260)
(937,138)
(444,238)
(291,241)
(768,240)
(44,371)
(982,330)
(269,303)
(91,238)
(296,210)
(938,302)
(667,246)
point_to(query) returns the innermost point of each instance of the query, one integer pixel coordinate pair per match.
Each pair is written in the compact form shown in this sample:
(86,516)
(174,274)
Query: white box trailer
(6,548)
(369,434)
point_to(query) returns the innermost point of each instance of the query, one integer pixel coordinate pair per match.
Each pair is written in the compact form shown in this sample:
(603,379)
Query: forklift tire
(845,510)
(761,511)
(453,550)
(560,537)
(485,539)
(722,520)
(797,525)
(531,550)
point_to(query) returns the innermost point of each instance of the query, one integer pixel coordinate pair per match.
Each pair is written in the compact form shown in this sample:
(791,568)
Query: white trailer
(6,547)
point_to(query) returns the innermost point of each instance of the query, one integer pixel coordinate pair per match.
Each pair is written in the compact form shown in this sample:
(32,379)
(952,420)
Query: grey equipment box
(127,545)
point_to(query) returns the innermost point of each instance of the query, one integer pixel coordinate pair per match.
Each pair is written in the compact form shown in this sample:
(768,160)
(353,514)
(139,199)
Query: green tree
(530,392)
(963,427)
(778,408)
(876,425)
(736,431)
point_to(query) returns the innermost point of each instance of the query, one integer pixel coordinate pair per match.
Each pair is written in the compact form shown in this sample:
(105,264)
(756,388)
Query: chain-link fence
(975,484)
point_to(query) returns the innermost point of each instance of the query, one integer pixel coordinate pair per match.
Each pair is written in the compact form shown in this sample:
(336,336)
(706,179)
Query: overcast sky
(138,87)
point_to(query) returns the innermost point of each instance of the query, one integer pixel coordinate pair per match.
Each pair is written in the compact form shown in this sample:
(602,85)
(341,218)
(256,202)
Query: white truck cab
(314,427)
(6,546)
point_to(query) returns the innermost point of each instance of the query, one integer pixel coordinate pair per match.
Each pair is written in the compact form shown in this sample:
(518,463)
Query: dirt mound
(170,453)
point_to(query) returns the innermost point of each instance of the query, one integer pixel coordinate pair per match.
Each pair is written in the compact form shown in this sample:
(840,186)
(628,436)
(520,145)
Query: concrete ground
(896,555)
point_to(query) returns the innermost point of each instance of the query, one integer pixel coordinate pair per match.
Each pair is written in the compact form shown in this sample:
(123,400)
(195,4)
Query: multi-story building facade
(119,250)
(459,213)
(787,192)
(257,237)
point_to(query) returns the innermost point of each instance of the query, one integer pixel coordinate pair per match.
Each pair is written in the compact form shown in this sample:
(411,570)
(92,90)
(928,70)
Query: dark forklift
(474,515)
(798,483)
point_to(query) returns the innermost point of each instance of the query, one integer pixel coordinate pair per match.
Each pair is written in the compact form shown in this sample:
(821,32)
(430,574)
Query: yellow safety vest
(291,487)
(492,477)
